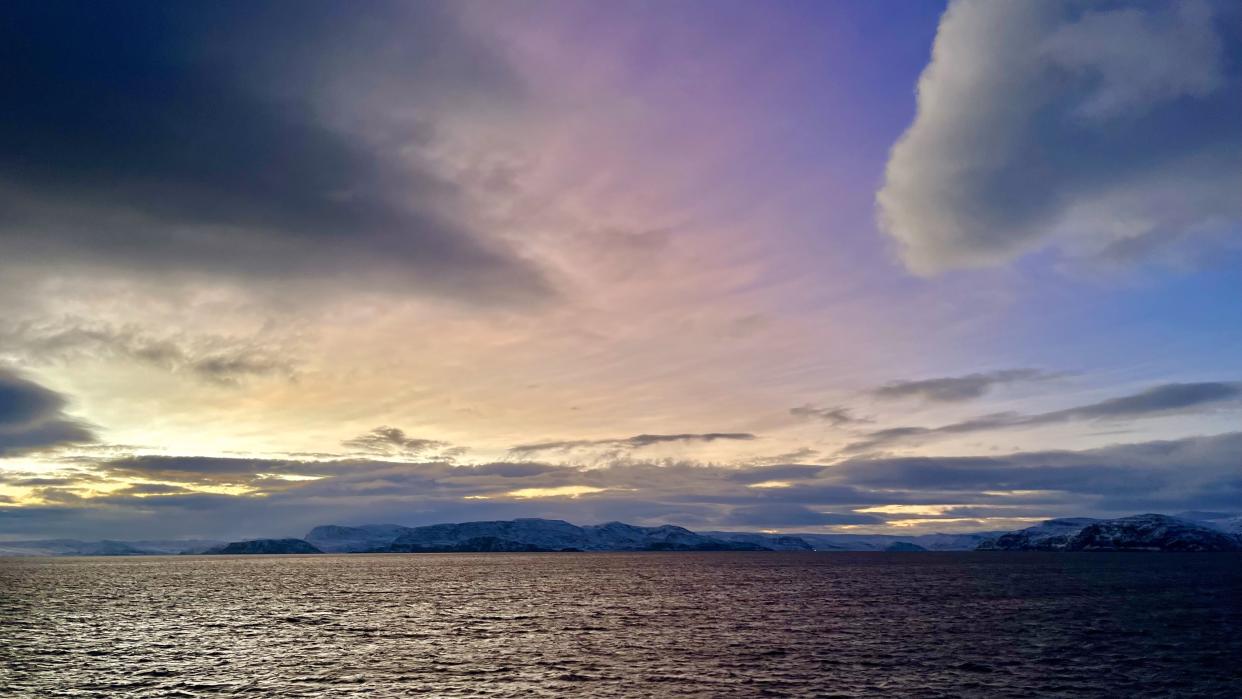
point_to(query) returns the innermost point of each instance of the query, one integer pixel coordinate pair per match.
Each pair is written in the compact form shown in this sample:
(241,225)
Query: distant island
(1188,532)
(263,546)
(1148,532)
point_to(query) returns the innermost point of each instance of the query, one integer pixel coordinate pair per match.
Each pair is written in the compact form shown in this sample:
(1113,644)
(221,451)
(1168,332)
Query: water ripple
(624,625)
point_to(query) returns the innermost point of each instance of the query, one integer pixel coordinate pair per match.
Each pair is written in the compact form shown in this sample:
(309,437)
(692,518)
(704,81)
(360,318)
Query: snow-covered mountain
(333,538)
(556,535)
(1147,532)
(776,542)
(1228,522)
(885,542)
(1190,531)
(532,535)
(1049,535)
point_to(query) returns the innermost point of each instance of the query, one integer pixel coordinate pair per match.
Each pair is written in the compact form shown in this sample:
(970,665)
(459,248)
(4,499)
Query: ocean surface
(624,625)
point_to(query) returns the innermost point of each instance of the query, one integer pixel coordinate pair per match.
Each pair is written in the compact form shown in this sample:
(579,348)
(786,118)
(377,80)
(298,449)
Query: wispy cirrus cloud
(636,442)
(954,389)
(393,441)
(835,415)
(1165,399)
(226,361)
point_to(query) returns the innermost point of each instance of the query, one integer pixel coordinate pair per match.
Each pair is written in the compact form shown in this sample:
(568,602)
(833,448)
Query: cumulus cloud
(1157,401)
(636,442)
(953,389)
(248,141)
(1104,127)
(32,418)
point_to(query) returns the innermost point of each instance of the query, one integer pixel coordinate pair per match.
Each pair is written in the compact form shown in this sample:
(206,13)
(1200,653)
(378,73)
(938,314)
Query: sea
(1002,624)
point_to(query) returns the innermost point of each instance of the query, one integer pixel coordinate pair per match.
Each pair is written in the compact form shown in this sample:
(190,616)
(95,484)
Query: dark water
(624,625)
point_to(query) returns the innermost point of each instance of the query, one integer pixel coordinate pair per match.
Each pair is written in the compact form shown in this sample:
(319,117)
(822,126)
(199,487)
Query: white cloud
(1100,129)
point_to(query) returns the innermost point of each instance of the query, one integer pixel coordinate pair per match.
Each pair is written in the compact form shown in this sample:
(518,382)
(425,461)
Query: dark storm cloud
(636,442)
(835,416)
(235,139)
(32,418)
(952,389)
(1165,399)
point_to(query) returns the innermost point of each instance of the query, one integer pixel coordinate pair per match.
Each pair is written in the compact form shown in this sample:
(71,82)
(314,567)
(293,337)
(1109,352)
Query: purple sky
(848,266)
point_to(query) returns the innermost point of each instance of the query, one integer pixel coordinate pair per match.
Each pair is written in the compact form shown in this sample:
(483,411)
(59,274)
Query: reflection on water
(624,625)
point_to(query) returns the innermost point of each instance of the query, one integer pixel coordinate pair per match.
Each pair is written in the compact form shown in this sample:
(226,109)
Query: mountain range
(1189,531)
(1149,532)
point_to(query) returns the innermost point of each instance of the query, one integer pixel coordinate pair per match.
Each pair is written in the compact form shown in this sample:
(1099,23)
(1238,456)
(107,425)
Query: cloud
(250,142)
(938,492)
(205,469)
(32,418)
(793,516)
(635,442)
(392,441)
(1165,399)
(797,456)
(225,361)
(835,416)
(1042,121)
(953,389)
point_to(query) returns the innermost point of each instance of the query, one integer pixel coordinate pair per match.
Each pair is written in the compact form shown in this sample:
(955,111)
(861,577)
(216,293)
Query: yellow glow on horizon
(564,491)
(907,509)
(771,484)
(947,520)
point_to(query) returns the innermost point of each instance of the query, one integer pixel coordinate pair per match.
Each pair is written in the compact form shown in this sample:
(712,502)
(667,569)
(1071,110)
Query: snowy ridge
(1147,532)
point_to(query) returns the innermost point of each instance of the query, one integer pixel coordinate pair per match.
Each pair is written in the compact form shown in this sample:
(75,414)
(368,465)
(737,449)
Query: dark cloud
(952,389)
(392,441)
(1041,122)
(150,489)
(1163,476)
(207,469)
(635,442)
(835,416)
(778,472)
(1026,472)
(1165,399)
(32,418)
(793,516)
(256,141)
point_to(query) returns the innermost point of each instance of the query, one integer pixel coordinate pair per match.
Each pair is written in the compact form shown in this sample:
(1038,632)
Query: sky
(860,266)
